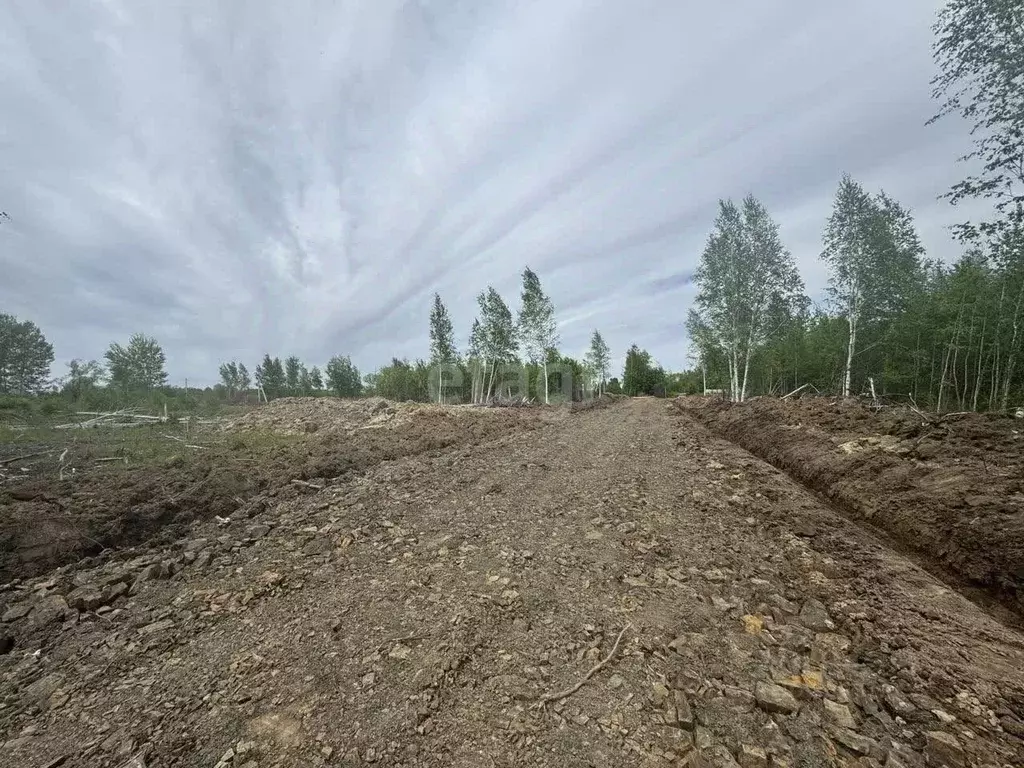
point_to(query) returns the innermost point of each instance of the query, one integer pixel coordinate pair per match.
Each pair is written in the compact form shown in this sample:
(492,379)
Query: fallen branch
(549,697)
(305,484)
(798,389)
(182,441)
(5,462)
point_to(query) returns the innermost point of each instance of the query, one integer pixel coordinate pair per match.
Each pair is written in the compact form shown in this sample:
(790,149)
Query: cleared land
(442,580)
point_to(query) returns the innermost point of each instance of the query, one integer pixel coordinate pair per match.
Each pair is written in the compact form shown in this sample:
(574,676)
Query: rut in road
(418,615)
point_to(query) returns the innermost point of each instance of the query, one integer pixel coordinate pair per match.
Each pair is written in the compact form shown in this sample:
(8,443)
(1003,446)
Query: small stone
(616,681)
(839,714)
(113,591)
(195,545)
(6,644)
(149,573)
(660,694)
(753,757)
(683,713)
(853,741)
(719,757)
(49,610)
(17,611)
(257,531)
(156,626)
(43,688)
(775,698)
(752,625)
(244,747)
(814,616)
(942,750)
(1016,727)
(85,598)
(228,756)
(897,705)
(203,559)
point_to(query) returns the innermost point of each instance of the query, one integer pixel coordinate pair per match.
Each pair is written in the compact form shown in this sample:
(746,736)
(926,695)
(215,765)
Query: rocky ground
(949,489)
(616,587)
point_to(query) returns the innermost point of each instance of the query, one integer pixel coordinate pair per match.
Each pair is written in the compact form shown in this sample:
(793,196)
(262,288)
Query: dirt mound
(951,488)
(305,415)
(45,522)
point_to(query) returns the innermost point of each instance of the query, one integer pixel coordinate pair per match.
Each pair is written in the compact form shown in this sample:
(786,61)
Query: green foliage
(614,387)
(83,377)
(271,377)
(343,377)
(25,356)
(873,254)
(234,377)
(748,288)
(979,48)
(598,358)
(137,367)
(316,379)
(293,369)
(402,381)
(641,375)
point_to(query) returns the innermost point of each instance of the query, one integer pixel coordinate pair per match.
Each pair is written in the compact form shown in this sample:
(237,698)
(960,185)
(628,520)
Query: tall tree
(270,377)
(497,337)
(537,329)
(873,254)
(746,280)
(979,48)
(316,379)
(442,341)
(229,377)
(234,377)
(293,375)
(244,380)
(641,375)
(343,377)
(82,377)
(598,359)
(137,367)
(25,356)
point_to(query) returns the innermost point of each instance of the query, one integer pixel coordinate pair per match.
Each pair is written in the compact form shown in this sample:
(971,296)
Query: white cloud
(245,177)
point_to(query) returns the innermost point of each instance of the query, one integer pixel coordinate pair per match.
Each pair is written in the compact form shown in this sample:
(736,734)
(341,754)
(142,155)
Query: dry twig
(549,697)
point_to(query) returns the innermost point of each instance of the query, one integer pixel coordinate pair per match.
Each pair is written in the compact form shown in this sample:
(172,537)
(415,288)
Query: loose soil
(616,587)
(951,489)
(46,522)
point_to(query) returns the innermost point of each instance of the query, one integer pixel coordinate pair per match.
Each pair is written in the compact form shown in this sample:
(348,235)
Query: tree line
(505,355)
(894,322)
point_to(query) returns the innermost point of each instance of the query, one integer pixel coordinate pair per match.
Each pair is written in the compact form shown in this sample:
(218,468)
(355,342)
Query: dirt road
(429,611)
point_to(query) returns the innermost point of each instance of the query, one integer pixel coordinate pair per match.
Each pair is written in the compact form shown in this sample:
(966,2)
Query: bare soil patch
(46,522)
(949,488)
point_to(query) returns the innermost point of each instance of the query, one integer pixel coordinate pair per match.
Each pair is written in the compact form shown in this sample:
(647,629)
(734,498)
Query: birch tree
(979,47)
(537,329)
(442,341)
(873,253)
(745,276)
(598,358)
(496,335)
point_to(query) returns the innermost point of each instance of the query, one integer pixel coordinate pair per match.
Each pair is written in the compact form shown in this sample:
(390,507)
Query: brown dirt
(45,523)
(417,614)
(950,489)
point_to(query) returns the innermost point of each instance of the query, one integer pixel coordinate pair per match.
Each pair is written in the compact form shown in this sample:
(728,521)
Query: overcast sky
(301,177)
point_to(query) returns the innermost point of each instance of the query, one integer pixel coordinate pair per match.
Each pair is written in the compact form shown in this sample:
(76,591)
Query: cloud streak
(236,178)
